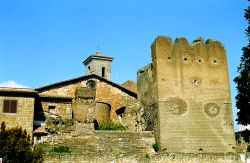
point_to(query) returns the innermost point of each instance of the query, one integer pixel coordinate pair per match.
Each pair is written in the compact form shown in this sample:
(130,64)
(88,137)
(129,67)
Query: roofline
(64,82)
(53,96)
(98,57)
(27,92)
(10,90)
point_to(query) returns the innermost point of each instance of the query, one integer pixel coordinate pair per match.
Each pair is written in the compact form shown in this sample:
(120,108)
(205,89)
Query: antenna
(98,49)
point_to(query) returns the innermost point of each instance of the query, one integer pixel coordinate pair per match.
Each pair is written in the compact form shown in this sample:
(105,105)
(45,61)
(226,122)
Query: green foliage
(147,156)
(246,135)
(248,148)
(61,149)
(46,148)
(16,146)
(111,126)
(243,80)
(156,147)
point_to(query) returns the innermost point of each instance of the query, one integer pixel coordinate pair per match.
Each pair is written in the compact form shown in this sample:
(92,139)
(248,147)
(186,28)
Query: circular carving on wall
(176,105)
(185,59)
(212,109)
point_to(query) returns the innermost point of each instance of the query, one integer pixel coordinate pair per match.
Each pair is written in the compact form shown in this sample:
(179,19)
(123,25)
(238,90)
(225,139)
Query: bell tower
(99,65)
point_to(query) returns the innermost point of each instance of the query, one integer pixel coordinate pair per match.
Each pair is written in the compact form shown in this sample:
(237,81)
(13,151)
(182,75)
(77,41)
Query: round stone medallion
(212,109)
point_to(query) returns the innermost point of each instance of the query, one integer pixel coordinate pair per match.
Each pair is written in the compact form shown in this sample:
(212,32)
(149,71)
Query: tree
(243,80)
(16,146)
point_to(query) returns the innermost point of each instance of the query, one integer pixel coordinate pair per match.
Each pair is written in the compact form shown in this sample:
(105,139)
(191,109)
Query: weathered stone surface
(24,116)
(99,65)
(104,93)
(104,146)
(192,92)
(84,92)
(62,109)
(147,97)
(131,85)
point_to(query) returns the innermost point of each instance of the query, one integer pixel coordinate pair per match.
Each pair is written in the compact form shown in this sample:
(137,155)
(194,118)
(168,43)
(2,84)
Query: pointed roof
(86,77)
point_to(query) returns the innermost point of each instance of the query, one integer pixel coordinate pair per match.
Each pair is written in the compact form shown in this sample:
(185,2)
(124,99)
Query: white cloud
(12,84)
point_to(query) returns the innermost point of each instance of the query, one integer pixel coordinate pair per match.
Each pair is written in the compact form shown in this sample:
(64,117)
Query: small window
(52,109)
(38,139)
(9,106)
(91,84)
(103,71)
(120,111)
(89,67)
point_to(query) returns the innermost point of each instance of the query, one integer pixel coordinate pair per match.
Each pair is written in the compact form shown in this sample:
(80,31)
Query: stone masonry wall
(62,109)
(104,93)
(147,96)
(168,158)
(24,116)
(193,96)
(104,146)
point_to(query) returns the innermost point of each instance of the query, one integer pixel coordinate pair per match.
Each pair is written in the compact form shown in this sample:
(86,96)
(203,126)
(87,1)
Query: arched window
(91,84)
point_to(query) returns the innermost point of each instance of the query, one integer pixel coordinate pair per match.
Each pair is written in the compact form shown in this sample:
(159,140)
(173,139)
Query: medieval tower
(186,91)
(99,65)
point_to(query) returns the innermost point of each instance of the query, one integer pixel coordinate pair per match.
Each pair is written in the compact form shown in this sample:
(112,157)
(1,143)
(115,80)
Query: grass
(53,148)
(111,126)
(61,149)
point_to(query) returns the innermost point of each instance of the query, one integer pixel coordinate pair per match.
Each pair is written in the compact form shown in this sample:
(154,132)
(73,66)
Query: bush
(156,147)
(61,149)
(16,146)
(147,156)
(248,148)
(111,126)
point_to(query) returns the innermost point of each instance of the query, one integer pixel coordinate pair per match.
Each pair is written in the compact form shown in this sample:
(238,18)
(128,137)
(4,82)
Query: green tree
(243,80)
(16,146)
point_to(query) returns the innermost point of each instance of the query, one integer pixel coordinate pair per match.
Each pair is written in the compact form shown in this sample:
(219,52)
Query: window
(91,84)
(120,111)
(9,106)
(38,139)
(103,71)
(89,67)
(52,109)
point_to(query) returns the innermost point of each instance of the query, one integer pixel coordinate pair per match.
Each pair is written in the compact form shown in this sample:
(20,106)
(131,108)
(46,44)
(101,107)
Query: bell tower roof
(99,65)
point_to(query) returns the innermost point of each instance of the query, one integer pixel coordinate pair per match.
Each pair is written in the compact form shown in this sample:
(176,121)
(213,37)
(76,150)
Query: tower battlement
(192,95)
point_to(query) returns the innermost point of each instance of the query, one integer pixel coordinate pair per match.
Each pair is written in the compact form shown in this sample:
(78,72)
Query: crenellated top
(210,51)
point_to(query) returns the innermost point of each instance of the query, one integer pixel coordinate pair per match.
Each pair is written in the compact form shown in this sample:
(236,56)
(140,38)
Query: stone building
(92,98)
(183,97)
(17,108)
(186,96)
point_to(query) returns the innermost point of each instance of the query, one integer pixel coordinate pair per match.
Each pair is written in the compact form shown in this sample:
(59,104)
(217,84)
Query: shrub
(147,156)
(15,145)
(111,126)
(156,147)
(61,149)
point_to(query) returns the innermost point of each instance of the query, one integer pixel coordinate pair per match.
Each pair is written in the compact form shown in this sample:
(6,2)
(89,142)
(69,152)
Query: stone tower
(99,65)
(188,86)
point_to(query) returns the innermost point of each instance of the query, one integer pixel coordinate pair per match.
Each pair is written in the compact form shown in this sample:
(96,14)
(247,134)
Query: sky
(45,41)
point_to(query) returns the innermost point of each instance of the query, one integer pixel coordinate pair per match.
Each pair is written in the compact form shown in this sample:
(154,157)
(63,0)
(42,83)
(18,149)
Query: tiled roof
(40,130)
(77,79)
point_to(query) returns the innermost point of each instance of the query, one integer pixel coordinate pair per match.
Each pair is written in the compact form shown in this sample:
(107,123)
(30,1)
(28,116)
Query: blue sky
(45,41)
